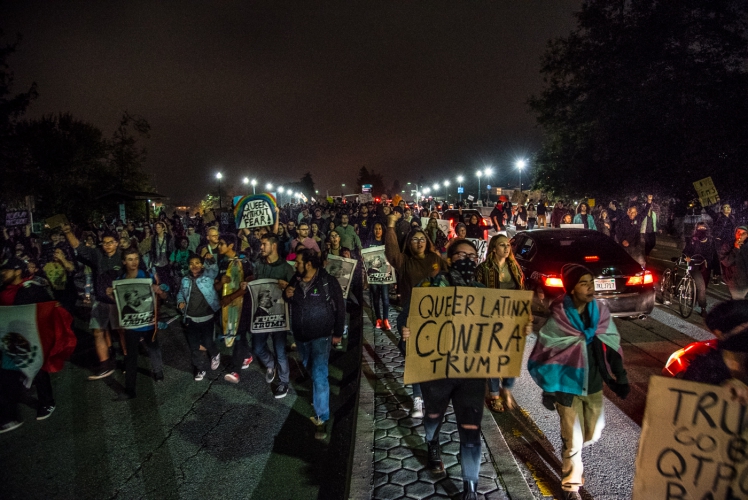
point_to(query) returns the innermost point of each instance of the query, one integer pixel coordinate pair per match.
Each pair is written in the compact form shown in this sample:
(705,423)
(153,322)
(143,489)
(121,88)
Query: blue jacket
(590,221)
(204,284)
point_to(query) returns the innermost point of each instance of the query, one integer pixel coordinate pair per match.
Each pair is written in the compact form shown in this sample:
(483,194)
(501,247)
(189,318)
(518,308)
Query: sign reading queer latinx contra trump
(257,210)
(465,332)
(693,444)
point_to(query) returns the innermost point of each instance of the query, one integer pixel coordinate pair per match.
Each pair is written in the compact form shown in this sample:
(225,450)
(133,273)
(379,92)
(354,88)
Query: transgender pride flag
(35,337)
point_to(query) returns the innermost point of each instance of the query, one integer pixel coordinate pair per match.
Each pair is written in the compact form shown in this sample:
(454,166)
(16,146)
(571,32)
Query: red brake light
(553,282)
(648,278)
(634,280)
(645,278)
(591,258)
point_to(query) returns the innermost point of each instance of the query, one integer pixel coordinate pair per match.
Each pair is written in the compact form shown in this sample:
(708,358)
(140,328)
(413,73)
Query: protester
(557,215)
(650,218)
(699,253)
(317,321)
(628,234)
(379,294)
(198,301)
(584,217)
(577,350)
(734,260)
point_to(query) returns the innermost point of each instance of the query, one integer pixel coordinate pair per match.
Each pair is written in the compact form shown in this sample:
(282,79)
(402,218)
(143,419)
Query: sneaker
(666,302)
(247,362)
(270,374)
(435,463)
(292,347)
(338,346)
(387,325)
(44,412)
(321,432)
(9,426)
(215,361)
(378,326)
(103,371)
(417,411)
(281,391)
(199,376)
(232,377)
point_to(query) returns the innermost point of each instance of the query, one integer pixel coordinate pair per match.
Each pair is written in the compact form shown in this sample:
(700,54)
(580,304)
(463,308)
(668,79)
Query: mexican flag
(35,337)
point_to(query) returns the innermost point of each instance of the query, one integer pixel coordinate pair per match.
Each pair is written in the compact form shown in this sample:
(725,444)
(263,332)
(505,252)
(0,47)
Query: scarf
(576,320)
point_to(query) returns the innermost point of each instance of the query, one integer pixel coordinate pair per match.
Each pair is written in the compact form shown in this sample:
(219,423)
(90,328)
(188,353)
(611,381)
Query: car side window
(526,249)
(516,243)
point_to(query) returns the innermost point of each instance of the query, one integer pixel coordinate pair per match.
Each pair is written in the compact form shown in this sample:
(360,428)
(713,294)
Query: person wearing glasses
(417,262)
(106,263)
(466,394)
(500,270)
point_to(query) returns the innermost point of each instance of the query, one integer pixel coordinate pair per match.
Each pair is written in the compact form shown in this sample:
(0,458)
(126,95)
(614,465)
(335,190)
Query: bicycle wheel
(687,296)
(666,287)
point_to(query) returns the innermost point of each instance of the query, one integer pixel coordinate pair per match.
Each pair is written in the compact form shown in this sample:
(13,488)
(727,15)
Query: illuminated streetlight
(478,174)
(254,183)
(245,180)
(219,176)
(460,179)
(446,185)
(520,165)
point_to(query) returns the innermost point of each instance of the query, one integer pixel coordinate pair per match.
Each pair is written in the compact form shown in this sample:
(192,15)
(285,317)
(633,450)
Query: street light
(219,176)
(446,185)
(460,179)
(254,183)
(488,172)
(478,174)
(280,194)
(520,165)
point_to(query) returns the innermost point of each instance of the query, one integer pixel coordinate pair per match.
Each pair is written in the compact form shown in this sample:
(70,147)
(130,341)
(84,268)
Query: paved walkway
(398,450)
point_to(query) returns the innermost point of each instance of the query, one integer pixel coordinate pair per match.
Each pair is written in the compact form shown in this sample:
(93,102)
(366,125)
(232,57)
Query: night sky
(275,89)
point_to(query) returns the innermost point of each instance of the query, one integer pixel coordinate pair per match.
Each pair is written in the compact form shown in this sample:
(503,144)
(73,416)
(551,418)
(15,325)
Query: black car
(620,281)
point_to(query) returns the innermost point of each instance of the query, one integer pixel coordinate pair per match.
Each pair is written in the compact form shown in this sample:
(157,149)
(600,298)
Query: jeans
(317,352)
(650,240)
(402,319)
(200,334)
(581,425)
(531,223)
(496,384)
(260,348)
(11,384)
(467,400)
(380,294)
(132,339)
(701,280)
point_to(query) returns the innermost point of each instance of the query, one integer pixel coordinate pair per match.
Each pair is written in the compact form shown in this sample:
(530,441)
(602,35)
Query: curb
(507,468)
(362,470)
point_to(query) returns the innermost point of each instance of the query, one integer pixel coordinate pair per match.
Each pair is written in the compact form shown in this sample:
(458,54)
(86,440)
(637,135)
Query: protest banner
(481,246)
(135,302)
(37,336)
(56,221)
(378,270)
(257,210)
(707,191)
(269,311)
(365,198)
(465,332)
(17,218)
(444,224)
(470,197)
(341,269)
(693,444)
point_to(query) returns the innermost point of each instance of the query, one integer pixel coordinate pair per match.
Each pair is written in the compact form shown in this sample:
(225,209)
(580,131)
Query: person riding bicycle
(700,252)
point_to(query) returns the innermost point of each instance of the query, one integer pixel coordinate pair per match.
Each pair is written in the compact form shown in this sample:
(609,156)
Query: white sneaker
(665,302)
(247,362)
(215,362)
(417,411)
(199,376)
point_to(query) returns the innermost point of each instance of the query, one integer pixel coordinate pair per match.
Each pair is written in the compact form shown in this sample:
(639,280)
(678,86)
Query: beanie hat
(571,274)
(398,210)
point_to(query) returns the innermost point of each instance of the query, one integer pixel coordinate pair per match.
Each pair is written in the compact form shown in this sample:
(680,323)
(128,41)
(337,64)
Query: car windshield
(575,248)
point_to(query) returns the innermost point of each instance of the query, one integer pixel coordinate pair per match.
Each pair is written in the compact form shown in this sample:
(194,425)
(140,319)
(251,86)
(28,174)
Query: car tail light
(591,258)
(644,278)
(553,282)
(681,359)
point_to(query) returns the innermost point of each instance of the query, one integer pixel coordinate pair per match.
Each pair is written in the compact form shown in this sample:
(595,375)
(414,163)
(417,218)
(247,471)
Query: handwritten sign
(19,218)
(58,220)
(693,445)
(254,211)
(481,246)
(707,191)
(465,332)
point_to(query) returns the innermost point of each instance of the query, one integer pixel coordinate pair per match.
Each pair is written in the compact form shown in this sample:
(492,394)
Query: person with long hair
(500,270)
(436,235)
(474,229)
(162,246)
(604,223)
(380,294)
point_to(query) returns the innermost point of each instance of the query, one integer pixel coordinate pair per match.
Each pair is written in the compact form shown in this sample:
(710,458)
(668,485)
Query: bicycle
(685,290)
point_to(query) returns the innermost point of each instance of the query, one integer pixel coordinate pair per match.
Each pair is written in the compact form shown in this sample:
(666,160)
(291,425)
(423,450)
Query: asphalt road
(533,432)
(180,438)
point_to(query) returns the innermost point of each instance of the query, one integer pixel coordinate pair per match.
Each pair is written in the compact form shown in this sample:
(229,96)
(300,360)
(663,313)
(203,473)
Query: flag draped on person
(36,337)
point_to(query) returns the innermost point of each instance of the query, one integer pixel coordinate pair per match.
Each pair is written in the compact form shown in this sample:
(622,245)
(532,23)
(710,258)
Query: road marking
(545,489)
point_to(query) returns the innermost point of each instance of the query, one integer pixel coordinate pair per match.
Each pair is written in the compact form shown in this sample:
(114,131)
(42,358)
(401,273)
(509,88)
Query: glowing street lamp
(219,176)
(520,165)
(478,174)
(446,185)
(254,183)
(460,179)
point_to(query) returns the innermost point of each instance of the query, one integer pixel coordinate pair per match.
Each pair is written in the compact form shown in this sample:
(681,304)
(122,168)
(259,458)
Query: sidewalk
(390,456)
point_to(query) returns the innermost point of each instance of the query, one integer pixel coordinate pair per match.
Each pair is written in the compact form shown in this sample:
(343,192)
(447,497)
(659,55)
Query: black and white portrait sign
(135,302)
(341,269)
(481,246)
(269,310)
(378,270)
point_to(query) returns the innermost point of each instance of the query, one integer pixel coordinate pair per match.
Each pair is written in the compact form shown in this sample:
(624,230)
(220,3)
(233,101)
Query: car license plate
(605,284)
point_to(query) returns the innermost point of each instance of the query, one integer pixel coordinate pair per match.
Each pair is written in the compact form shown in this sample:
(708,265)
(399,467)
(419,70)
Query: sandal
(511,404)
(495,405)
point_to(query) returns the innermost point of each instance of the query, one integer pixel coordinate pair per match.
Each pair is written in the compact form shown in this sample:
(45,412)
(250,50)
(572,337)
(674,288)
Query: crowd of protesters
(186,258)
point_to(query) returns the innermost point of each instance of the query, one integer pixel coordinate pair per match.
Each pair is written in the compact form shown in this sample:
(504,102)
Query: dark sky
(275,89)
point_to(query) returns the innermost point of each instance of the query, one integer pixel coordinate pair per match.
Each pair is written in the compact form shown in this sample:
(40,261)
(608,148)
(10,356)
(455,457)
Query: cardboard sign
(378,269)
(444,224)
(254,211)
(693,444)
(707,192)
(136,302)
(481,246)
(591,202)
(465,332)
(470,197)
(56,221)
(269,310)
(341,269)
(365,198)
(18,218)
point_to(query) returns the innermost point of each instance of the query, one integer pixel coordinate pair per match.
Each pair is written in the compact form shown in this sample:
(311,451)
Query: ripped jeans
(467,399)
